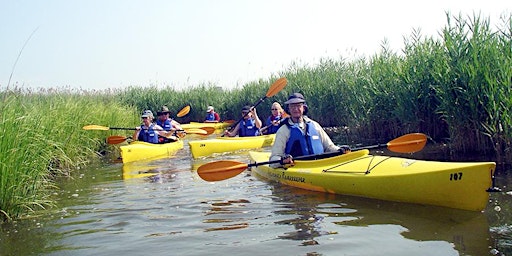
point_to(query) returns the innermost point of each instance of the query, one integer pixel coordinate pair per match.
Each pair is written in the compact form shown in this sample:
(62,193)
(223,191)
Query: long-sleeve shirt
(283,134)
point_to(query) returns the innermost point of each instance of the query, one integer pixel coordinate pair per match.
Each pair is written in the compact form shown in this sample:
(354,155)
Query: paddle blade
(116,139)
(276,87)
(183,112)
(209,130)
(95,127)
(196,131)
(220,170)
(229,121)
(409,143)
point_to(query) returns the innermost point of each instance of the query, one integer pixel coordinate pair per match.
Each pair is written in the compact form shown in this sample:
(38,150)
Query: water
(164,208)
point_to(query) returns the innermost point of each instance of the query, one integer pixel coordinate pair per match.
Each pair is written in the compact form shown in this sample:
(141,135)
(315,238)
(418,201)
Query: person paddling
(167,123)
(249,126)
(299,135)
(149,131)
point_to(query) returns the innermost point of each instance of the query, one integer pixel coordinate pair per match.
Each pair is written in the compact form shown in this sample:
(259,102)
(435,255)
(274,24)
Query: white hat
(147,113)
(210,108)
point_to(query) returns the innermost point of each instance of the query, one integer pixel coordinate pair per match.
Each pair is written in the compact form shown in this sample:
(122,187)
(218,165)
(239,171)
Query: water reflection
(313,213)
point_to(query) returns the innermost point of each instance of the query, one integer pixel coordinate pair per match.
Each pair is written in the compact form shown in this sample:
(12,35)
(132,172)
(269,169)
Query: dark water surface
(174,212)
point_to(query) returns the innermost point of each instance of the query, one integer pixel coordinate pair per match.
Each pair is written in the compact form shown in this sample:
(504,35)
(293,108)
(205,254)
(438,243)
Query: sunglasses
(273,108)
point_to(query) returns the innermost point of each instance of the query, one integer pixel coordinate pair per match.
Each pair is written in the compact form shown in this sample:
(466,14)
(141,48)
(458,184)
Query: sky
(99,44)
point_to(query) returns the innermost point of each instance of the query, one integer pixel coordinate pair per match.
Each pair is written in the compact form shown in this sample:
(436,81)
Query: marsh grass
(457,89)
(42,137)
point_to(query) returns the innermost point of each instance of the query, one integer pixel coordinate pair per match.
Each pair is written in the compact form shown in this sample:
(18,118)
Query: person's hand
(287,161)
(226,133)
(344,149)
(137,128)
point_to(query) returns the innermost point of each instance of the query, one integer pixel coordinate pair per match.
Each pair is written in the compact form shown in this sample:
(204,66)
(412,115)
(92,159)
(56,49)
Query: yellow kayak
(138,150)
(448,184)
(200,148)
(197,125)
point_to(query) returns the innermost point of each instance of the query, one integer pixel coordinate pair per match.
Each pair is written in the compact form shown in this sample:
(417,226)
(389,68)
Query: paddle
(276,87)
(200,131)
(116,139)
(225,169)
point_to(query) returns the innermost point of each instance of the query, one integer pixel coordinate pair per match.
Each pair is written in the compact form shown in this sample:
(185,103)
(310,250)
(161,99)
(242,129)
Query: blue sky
(93,44)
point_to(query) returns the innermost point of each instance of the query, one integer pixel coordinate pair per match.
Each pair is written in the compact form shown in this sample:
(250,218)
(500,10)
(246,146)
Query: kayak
(200,148)
(449,184)
(138,150)
(197,125)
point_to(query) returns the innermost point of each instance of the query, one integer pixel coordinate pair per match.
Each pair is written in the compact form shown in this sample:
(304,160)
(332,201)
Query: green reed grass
(42,137)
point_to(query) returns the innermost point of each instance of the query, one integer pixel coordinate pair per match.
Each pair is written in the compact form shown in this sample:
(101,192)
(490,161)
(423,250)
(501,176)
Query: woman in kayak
(273,121)
(249,126)
(299,135)
(149,131)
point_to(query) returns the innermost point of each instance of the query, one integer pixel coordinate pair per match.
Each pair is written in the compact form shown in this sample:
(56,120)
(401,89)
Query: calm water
(174,212)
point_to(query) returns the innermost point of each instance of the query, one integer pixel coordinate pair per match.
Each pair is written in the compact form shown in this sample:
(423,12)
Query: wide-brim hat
(163,110)
(295,98)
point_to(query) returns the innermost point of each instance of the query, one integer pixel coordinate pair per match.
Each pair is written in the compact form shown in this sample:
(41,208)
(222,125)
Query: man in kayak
(167,123)
(149,131)
(249,126)
(299,135)
(212,116)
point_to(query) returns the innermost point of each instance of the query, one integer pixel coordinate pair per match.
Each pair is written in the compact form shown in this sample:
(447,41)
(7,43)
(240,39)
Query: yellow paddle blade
(409,143)
(196,131)
(183,112)
(277,86)
(95,127)
(220,170)
(116,139)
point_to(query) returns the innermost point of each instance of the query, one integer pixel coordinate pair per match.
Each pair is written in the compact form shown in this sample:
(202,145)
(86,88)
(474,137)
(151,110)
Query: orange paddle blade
(116,139)
(183,112)
(409,143)
(277,86)
(96,127)
(220,170)
(209,130)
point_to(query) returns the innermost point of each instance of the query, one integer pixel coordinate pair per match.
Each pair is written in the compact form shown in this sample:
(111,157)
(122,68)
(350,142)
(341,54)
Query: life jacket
(166,125)
(148,134)
(248,128)
(300,144)
(272,128)
(210,117)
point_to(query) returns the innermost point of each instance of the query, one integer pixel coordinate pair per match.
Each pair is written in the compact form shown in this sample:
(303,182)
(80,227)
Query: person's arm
(217,117)
(233,132)
(257,120)
(136,133)
(278,149)
(176,125)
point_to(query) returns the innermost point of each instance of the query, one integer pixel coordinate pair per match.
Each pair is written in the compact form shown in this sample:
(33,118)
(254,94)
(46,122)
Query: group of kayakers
(296,134)
(164,130)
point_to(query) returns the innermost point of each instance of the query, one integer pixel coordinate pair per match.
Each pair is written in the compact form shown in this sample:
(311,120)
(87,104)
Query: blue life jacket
(210,117)
(166,125)
(148,135)
(300,144)
(248,128)
(272,128)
